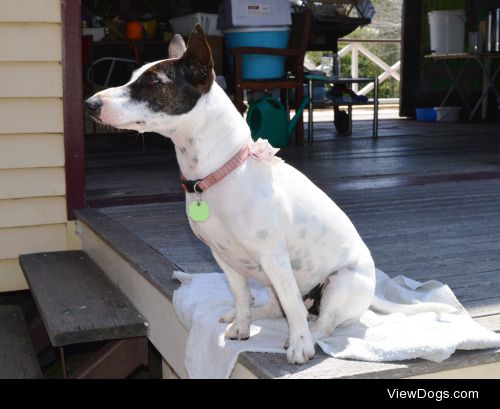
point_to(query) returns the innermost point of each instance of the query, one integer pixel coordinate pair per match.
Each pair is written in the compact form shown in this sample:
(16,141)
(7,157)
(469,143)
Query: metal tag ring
(195,187)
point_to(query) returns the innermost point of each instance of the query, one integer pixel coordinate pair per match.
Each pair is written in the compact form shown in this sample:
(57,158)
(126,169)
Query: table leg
(375,108)
(349,115)
(63,363)
(310,129)
(488,82)
(455,84)
(486,85)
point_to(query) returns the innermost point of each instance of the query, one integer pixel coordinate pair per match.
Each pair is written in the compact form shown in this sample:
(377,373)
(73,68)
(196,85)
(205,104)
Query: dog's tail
(388,307)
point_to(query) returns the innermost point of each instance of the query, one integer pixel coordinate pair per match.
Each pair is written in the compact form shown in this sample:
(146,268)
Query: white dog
(260,217)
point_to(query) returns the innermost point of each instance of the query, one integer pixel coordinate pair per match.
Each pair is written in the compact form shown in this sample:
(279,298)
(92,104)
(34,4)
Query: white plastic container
(447,29)
(447,114)
(254,13)
(97,33)
(184,25)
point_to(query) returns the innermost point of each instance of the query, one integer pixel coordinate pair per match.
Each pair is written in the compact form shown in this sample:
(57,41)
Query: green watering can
(268,119)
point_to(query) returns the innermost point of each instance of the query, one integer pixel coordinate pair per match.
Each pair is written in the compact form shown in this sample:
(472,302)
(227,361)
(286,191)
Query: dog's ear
(176,47)
(198,58)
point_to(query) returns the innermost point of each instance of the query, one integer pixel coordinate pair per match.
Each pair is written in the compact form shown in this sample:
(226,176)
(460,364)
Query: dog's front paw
(300,349)
(239,331)
(228,317)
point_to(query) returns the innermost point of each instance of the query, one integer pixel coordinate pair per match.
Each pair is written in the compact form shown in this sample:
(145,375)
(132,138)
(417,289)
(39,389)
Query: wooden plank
(484,371)
(19,240)
(32,211)
(30,79)
(173,239)
(31,151)
(155,268)
(35,182)
(483,306)
(17,356)
(324,367)
(46,11)
(45,115)
(11,276)
(30,42)
(116,360)
(84,306)
(492,322)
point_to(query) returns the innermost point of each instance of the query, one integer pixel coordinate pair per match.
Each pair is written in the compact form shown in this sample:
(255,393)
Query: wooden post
(355,65)
(411,45)
(73,105)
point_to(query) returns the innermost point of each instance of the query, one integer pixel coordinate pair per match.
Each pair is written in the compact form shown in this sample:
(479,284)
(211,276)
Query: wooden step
(76,301)
(17,355)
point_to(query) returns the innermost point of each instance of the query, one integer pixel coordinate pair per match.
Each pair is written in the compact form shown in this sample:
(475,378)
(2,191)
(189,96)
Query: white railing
(355,47)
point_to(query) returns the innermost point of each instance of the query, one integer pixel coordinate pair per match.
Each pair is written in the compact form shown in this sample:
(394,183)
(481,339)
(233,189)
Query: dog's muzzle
(93,106)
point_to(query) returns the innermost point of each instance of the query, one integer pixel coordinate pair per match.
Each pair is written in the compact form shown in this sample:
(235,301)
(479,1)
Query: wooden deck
(446,231)
(118,168)
(425,198)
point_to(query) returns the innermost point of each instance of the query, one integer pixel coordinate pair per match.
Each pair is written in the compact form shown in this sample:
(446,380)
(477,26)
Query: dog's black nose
(93,105)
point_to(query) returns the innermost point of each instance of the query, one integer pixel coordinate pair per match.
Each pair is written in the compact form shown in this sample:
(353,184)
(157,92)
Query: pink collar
(199,185)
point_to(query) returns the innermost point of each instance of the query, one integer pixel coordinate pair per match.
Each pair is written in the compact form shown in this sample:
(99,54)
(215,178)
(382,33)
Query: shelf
(339,104)
(337,80)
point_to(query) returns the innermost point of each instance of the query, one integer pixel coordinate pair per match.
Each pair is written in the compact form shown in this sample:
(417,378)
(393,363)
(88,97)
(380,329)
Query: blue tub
(426,114)
(258,66)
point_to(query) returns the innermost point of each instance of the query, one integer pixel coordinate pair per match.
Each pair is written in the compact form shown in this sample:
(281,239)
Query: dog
(260,217)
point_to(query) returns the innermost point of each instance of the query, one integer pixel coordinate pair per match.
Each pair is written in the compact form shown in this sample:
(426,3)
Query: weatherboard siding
(32,179)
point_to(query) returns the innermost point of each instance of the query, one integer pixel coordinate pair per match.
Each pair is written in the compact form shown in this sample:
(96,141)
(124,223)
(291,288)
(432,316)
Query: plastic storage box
(257,66)
(426,114)
(184,25)
(447,114)
(252,13)
(97,33)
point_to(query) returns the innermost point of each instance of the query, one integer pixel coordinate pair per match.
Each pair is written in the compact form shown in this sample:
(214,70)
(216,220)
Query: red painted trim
(73,105)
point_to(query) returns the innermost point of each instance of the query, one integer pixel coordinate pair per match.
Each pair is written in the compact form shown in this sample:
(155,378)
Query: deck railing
(355,47)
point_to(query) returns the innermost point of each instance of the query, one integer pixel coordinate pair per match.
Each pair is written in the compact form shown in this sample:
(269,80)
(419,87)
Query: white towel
(203,298)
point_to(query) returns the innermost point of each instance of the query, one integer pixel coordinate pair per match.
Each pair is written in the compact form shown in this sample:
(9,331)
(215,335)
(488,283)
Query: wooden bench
(17,356)
(77,304)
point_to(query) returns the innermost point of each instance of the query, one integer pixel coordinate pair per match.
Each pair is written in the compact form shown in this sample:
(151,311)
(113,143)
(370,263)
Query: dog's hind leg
(346,296)
(240,328)
(270,310)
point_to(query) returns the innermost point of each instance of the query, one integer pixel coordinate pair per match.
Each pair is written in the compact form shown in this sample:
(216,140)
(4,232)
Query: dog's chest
(229,248)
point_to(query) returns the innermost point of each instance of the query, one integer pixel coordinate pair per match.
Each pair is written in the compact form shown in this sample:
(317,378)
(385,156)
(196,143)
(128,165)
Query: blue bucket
(258,66)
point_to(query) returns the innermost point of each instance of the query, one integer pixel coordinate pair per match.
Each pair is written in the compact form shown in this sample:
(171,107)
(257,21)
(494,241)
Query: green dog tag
(199,211)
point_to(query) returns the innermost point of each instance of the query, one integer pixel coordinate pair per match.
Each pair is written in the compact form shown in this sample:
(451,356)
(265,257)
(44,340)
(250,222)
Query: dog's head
(158,90)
